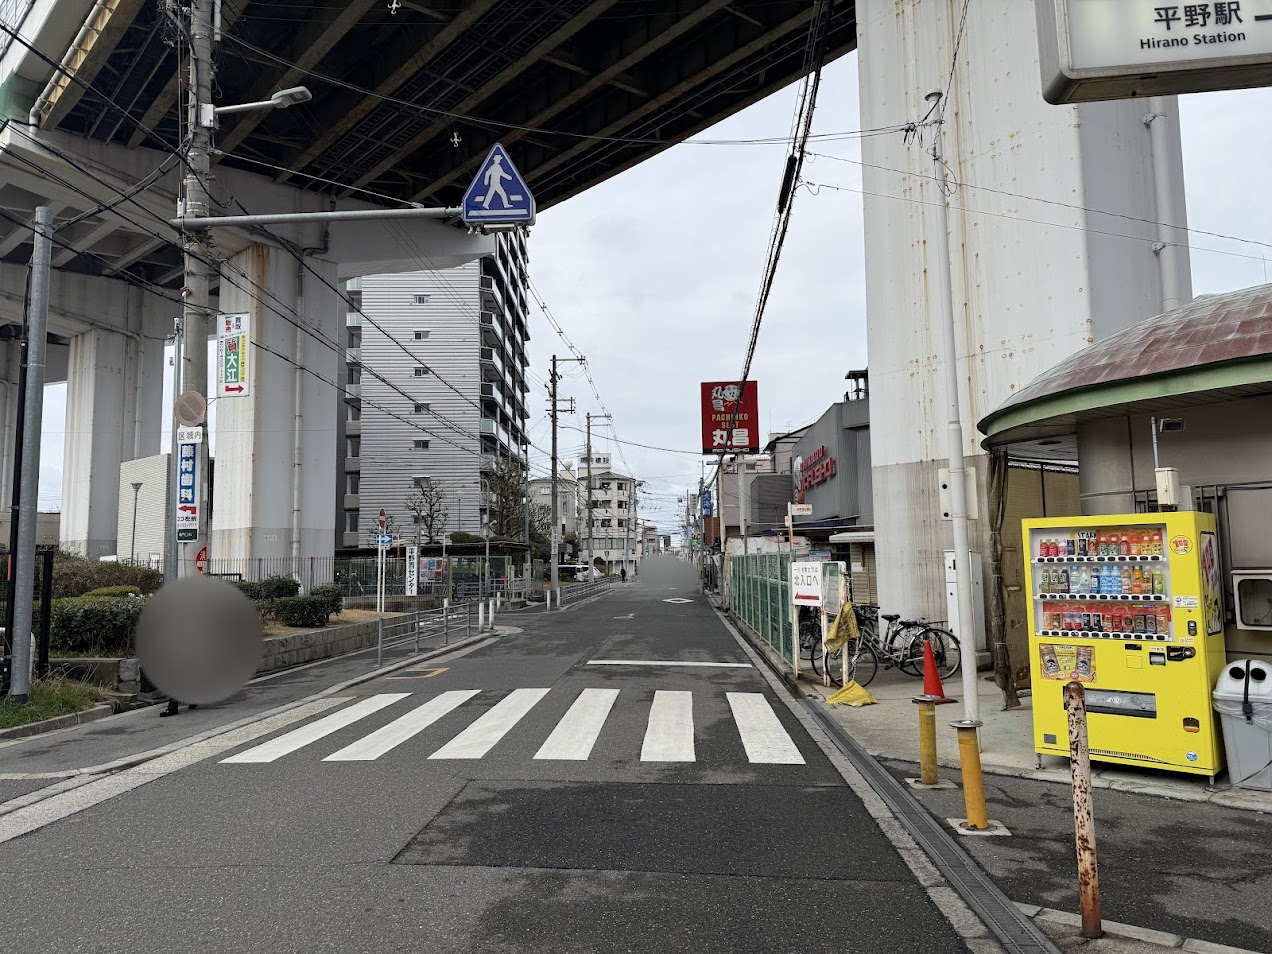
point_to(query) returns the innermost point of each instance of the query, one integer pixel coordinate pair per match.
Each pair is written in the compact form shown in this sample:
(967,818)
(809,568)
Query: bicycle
(901,647)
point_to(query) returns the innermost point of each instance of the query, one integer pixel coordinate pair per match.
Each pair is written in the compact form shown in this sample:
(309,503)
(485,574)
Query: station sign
(1094,50)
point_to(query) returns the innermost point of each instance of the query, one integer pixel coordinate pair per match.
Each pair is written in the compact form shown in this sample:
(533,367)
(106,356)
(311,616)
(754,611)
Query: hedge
(306,611)
(98,625)
(115,591)
(271,588)
(333,596)
(73,575)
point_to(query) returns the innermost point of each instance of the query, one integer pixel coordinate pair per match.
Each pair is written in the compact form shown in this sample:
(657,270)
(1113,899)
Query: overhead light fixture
(1171,425)
(290,97)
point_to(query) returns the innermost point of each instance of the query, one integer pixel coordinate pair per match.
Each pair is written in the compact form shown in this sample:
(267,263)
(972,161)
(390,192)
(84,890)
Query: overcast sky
(654,275)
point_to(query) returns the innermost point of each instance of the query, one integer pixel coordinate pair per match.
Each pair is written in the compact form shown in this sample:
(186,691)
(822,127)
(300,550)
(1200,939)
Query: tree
(506,500)
(390,526)
(429,507)
(541,531)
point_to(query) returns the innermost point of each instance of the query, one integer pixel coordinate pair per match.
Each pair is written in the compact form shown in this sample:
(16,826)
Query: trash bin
(1243,699)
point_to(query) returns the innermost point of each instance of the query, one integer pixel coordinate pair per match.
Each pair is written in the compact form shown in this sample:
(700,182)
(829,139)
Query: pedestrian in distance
(622,574)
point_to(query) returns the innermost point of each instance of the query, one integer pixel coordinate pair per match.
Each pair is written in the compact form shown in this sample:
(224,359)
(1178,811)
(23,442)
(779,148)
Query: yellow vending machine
(1129,605)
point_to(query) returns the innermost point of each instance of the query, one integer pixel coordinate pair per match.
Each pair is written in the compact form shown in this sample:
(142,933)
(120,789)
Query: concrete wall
(1032,282)
(46,528)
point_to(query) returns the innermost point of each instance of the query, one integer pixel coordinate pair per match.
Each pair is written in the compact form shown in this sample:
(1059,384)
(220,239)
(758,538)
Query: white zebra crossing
(480,737)
(669,730)
(576,733)
(399,730)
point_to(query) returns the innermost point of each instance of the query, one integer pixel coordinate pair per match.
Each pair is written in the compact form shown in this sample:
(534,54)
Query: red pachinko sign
(730,417)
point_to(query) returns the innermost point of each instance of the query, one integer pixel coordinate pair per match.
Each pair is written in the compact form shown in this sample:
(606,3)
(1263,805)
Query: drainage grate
(1018,934)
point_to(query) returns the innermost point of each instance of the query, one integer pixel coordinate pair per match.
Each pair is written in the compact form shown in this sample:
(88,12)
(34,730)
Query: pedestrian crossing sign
(498,195)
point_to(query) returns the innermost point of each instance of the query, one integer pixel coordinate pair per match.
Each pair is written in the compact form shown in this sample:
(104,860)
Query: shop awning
(853,536)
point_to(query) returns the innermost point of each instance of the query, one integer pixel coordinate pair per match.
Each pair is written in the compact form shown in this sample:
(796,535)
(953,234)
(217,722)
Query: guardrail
(426,624)
(578,592)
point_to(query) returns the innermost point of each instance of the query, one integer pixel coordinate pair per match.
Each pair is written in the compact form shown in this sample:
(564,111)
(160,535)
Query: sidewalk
(890,730)
(30,764)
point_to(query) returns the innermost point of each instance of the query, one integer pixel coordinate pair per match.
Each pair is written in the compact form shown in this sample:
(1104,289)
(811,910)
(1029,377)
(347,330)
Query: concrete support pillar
(1036,276)
(111,416)
(1106,478)
(259,482)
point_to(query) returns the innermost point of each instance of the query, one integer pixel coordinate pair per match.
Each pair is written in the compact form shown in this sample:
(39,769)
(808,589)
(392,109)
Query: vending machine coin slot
(1192,627)
(1157,658)
(1180,653)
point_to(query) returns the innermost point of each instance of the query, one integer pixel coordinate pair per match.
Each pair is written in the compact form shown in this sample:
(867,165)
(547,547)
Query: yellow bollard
(973,784)
(927,740)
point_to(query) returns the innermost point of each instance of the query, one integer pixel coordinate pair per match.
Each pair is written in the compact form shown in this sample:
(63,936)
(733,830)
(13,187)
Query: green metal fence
(761,598)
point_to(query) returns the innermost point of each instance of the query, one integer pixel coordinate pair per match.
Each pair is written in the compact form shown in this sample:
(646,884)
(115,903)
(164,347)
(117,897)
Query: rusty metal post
(927,740)
(973,783)
(1083,811)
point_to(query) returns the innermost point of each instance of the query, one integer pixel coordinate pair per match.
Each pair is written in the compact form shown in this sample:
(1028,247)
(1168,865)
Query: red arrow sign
(188,509)
(237,389)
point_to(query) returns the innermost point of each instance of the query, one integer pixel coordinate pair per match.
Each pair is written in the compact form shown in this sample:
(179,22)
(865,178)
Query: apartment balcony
(489,428)
(492,330)
(353,319)
(352,539)
(353,392)
(353,428)
(488,462)
(353,465)
(351,501)
(490,360)
(491,292)
(353,356)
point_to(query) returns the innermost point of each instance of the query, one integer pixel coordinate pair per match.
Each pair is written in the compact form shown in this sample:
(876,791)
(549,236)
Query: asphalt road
(515,798)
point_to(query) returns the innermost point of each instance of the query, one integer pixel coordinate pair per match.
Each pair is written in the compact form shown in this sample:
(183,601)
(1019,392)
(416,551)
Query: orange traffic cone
(932,687)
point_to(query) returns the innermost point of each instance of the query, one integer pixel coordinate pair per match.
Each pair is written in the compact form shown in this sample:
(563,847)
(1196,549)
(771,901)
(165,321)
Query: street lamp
(280,100)
(136,493)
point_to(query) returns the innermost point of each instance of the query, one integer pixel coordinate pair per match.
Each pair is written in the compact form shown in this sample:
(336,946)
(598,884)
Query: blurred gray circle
(199,640)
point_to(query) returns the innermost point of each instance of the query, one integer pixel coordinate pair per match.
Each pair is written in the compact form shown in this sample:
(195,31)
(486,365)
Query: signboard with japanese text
(1092,50)
(806,584)
(730,417)
(412,580)
(233,340)
(186,512)
(707,507)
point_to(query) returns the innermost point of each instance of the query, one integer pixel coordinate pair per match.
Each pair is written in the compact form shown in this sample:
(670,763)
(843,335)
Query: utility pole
(588,452)
(553,378)
(196,203)
(24,557)
(16,494)
(957,464)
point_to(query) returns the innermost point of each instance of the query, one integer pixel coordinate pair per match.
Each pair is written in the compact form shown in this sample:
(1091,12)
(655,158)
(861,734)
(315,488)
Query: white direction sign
(186,505)
(498,195)
(1093,50)
(806,583)
(412,570)
(233,341)
(801,510)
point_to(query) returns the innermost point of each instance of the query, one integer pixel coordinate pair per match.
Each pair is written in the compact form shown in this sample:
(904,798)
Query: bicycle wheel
(906,650)
(815,655)
(863,663)
(946,650)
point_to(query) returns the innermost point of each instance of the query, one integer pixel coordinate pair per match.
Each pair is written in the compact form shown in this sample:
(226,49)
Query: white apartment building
(434,388)
(615,535)
(567,499)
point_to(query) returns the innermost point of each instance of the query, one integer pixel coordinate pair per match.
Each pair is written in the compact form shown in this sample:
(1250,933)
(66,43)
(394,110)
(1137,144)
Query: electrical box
(1131,606)
(1252,590)
(1168,491)
(979,642)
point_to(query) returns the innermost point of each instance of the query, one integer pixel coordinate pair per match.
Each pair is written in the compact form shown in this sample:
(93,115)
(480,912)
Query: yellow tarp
(852,695)
(843,629)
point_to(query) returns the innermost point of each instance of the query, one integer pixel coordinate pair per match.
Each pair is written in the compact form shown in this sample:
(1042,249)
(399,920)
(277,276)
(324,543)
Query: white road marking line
(762,734)
(32,817)
(480,737)
(306,734)
(400,730)
(669,734)
(666,662)
(576,733)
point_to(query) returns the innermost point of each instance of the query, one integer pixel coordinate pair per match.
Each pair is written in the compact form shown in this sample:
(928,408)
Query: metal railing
(578,592)
(423,625)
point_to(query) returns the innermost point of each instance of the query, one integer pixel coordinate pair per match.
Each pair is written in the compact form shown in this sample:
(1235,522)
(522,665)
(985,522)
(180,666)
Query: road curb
(131,761)
(1163,939)
(92,714)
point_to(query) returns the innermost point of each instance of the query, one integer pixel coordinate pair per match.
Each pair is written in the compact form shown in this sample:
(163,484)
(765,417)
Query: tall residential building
(434,388)
(615,535)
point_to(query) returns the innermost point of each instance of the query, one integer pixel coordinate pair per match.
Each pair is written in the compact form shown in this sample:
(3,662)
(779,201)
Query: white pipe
(1172,235)
(133,291)
(12,372)
(77,47)
(298,388)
